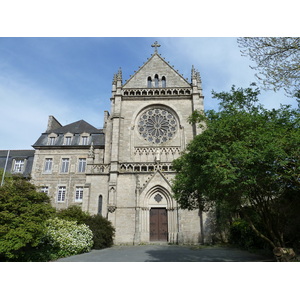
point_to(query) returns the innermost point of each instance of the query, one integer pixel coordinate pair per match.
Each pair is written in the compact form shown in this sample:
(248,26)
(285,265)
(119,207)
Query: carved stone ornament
(111,208)
(158,198)
(91,151)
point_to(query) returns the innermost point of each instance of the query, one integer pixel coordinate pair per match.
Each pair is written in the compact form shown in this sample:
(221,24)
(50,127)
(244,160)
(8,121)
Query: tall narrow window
(163,82)
(48,165)
(61,195)
(79,194)
(100,205)
(149,82)
(64,165)
(156,80)
(81,165)
(18,166)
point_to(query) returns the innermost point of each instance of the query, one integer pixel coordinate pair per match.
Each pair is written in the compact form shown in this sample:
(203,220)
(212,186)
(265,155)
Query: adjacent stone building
(124,171)
(17,162)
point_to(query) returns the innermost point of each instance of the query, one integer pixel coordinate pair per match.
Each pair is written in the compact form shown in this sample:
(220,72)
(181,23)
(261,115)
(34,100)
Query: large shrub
(103,231)
(73,213)
(68,237)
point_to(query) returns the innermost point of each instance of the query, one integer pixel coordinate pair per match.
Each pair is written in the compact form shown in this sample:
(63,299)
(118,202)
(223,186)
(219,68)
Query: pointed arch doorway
(161,214)
(158,224)
(157,218)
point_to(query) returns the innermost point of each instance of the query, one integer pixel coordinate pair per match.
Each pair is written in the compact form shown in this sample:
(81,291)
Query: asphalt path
(167,253)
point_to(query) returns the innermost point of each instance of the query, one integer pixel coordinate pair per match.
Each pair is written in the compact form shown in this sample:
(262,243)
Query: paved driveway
(166,253)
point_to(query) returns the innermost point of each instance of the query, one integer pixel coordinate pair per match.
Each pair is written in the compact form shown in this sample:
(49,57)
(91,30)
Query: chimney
(52,124)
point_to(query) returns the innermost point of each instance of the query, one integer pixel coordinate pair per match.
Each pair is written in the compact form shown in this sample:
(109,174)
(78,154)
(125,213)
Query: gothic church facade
(124,171)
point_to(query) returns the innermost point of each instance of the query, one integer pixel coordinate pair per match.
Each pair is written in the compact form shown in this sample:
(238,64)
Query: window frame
(149,82)
(45,189)
(65,165)
(68,140)
(163,82)
(61,194)
(48,162)
(156,81)
(84,140)
(18,166)
(79,193)
(81,165)
(52,140)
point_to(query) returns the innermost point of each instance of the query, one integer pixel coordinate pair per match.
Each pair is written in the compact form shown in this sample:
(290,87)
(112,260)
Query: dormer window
(84,140)
(149,82)
(18,166)
(68,140)
(156,80)
(51,141)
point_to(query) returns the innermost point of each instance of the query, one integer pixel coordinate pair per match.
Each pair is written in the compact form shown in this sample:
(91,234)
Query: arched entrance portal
(158,216)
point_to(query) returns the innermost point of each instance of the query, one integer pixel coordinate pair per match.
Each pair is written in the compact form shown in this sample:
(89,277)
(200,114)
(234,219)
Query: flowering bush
(68,237)
(103,231)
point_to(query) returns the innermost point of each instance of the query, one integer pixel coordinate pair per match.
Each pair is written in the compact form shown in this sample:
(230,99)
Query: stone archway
(158,216)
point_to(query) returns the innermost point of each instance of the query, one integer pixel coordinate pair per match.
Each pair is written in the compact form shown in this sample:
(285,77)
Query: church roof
(156,65)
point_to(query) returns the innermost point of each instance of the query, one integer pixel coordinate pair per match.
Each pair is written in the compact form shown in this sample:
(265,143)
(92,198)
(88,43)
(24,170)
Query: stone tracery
(157,125)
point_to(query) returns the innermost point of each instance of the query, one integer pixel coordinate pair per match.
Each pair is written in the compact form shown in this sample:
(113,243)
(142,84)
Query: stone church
(124,171)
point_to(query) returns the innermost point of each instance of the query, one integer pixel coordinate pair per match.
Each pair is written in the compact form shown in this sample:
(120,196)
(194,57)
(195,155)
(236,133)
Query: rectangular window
(61,195)
(81,165)
(79,194)
(68,140)
(18,166)
(48,165)
(52,141)
(84,140)
(64,165)
(45,189)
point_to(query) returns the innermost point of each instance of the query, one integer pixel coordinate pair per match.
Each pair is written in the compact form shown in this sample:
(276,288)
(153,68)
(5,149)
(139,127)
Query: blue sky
(70,78)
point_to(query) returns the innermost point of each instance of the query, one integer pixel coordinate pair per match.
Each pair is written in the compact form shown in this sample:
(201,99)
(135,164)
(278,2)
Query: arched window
(149,85)
(156,80)
(100,205)
(163,82)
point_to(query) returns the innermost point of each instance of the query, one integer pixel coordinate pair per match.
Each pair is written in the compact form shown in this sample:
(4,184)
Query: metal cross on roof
(155,45)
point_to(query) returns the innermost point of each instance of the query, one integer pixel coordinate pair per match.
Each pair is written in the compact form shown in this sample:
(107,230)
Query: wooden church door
(158,224)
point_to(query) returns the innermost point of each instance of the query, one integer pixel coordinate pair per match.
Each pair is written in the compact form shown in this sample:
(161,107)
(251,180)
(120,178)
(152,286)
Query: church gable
(156,73)
(157,179)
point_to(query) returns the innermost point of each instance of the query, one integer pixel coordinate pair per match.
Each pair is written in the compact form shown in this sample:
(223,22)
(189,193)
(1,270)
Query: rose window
(157,125)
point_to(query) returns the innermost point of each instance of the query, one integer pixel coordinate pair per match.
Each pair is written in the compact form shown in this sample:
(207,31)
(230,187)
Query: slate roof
(77,128)
(28,155)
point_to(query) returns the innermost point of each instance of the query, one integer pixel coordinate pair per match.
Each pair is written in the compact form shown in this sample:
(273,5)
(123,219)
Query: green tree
(247,160)
(23,212)
(277,61)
